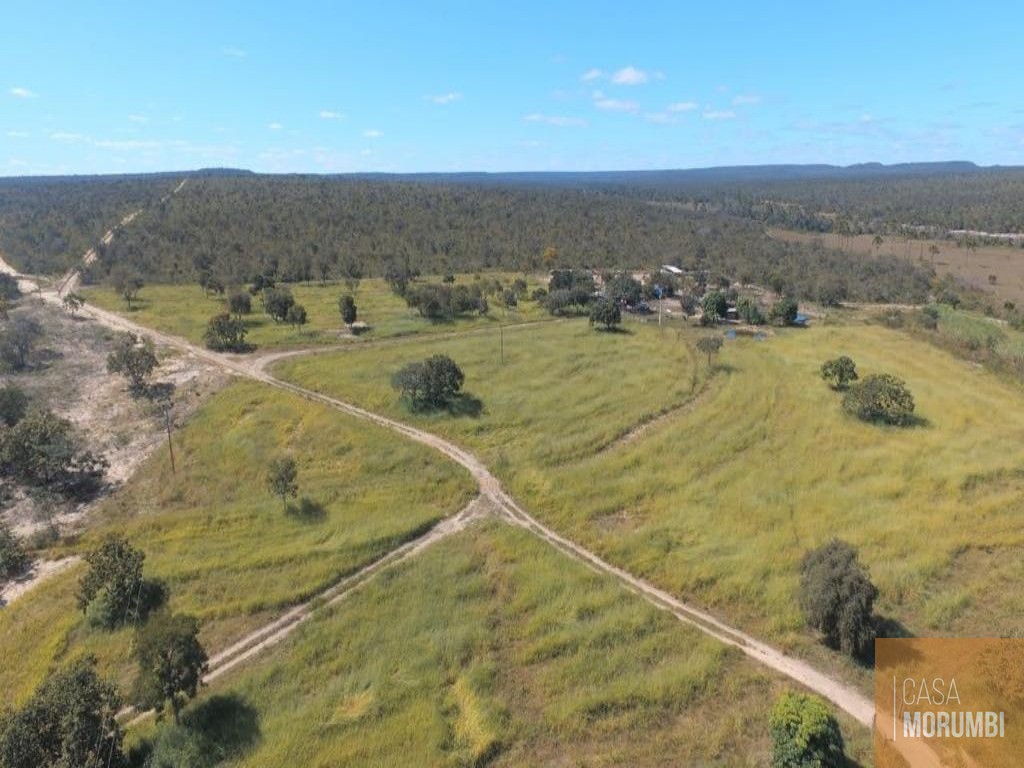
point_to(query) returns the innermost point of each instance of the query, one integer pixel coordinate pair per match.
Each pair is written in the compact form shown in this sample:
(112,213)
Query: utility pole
(501,342)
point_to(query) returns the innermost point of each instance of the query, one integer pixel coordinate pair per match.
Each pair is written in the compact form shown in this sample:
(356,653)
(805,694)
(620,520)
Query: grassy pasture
(493,649)
(183,310)
(719,501)
(1006,262)
(228,552)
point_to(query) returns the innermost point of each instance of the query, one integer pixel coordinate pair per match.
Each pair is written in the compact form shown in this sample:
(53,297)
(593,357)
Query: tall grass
(493,649)
(222,542)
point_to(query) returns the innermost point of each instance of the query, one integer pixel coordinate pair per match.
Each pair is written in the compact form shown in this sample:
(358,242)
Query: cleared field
(184,311)
(718,501)
(229,553)
(973,266)
(493,649)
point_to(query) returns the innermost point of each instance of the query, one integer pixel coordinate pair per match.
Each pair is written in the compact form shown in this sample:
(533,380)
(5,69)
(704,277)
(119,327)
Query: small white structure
(670,270)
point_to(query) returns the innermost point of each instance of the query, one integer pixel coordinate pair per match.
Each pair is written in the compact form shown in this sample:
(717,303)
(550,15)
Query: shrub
(429,384)
(225,333)
(623,289)
(13,405)
(42,451)
(133,358)
(113,590)
(277,302)
(839,372)
(568,301)
(715,306)
(749,311)
(240,303)
(347,308)
(784,311)
(880,398)
(539,294)
(18,340)
(837,598)
(13,558)
(605,313)
(296,315)
(805,734)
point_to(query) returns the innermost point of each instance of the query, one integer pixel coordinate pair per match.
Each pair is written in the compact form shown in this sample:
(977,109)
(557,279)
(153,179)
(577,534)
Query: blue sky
(336,87)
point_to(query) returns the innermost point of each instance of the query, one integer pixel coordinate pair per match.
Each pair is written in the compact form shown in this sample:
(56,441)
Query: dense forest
(234,225)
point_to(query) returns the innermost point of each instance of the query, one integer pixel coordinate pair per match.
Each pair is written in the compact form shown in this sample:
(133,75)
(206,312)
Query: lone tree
(880,398)
(805,734)
(605,313)
(430,384)
(837,598)
(69,721)
(171,661)
(73,302)
(282,479)
(715,306)
(225,333)
(839,373)
(113,590)
(710,345)
(240,303)
(347,308)
(352,273)
(133,358)
(296,315)
(127,283)
(277,302)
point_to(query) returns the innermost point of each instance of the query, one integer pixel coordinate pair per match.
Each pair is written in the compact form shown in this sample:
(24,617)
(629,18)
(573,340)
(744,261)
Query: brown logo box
(949,702)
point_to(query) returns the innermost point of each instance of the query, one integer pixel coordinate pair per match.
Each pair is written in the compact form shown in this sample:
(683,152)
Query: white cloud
(561,121)
(614,105)
(22,93)
(719,114)
(275,126)
(67,136)
(683,106)
(140,119)
(746,98)
(327,114)
(591,74)
(661,118)
(629,76)
(366,152)
(373,133)
(233,52)
(446,98)
(126,144)
(18,134)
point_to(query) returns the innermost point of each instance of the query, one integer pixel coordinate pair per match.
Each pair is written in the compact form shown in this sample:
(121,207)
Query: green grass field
(719,501)
(183,310)
(228,552)
(491,648)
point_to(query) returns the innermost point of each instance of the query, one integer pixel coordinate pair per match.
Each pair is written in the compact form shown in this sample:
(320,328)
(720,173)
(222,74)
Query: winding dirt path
(492,495)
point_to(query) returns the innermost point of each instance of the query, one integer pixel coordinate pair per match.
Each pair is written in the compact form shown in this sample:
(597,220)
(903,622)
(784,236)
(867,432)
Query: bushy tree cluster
(840,372)
(114,591)
(430,384)
(805,734)
(837,598)
(225,333)
(134,358)
(605,313)
(444,301)
(880,398)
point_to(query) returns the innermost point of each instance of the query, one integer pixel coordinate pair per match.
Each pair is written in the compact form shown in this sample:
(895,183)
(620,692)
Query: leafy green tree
(710,346)
(839,373)
(13,558)
(18,340)
(240,303)
(880,398)
(347,308)
(749,311)
(605,313)
(520,286)
(73,302)
(127,283)
(352,273)
(837,598)
(623,289)
(225,333)
(171,662)
(296,315)
(13,405)
(42,451)
(134,358)
(715,306)
(785,311)
(113,591)
(69,722)
(430,384)
(805,734)
(282,479)
(277,302)
(509,299)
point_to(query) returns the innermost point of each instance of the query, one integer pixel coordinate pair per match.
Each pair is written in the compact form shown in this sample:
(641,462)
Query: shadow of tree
(465,404)
(307,510)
